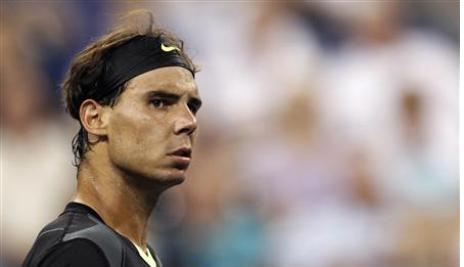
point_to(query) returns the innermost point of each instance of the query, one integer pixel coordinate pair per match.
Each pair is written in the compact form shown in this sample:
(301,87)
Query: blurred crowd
(328,135)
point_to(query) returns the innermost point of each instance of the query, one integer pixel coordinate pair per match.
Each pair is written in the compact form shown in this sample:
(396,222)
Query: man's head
(134,94)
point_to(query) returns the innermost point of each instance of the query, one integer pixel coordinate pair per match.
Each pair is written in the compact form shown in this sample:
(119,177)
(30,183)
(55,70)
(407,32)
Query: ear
(94,118)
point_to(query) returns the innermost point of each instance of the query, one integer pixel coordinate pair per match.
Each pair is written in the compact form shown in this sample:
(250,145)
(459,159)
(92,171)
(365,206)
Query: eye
(159,103)
(194,107)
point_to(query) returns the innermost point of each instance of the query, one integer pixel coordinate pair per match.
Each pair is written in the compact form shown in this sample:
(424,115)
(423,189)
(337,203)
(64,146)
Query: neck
(122,204)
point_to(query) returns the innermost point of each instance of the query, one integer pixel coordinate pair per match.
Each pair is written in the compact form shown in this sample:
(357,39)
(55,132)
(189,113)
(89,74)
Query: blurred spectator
(37,174)
(362,97)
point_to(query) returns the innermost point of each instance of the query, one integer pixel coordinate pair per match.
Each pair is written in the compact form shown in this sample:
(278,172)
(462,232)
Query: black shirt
(79,237)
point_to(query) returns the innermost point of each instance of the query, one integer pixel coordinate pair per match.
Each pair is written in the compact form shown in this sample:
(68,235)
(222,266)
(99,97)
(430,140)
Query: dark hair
(81,81)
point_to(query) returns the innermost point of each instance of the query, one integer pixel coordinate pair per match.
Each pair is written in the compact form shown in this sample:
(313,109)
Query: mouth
(182,152)
(181,157)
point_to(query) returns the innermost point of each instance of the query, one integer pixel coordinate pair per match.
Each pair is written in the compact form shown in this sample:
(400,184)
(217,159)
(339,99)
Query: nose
(186,123)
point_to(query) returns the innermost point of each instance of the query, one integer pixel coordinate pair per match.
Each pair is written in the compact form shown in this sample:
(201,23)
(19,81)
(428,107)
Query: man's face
(153,125)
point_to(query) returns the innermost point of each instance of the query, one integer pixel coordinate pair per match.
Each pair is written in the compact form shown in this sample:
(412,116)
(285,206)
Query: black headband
(137,56)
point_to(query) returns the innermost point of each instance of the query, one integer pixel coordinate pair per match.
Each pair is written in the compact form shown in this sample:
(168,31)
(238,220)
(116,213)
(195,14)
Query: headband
(139,55)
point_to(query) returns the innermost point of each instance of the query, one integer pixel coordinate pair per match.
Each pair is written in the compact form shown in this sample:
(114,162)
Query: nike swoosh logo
(166,48)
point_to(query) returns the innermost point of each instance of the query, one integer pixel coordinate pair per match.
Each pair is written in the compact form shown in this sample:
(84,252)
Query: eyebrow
(163,94)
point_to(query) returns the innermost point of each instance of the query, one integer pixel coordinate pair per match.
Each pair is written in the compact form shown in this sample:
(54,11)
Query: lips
(182,152)
(181,157)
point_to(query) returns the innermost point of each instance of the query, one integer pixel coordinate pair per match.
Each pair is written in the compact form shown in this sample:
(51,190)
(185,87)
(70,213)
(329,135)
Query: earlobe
(93,118)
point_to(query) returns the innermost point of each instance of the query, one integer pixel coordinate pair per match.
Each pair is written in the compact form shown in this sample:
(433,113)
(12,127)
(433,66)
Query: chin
(160,179)
(171,177)
(173,180)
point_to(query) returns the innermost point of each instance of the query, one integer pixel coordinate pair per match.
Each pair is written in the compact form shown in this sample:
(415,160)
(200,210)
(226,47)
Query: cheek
(135,133)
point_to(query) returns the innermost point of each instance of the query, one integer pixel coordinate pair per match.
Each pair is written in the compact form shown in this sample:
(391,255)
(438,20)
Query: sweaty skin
(131,164)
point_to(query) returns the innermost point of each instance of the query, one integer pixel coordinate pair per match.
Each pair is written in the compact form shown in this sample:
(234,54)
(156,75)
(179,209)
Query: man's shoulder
(72,231)
(68,222)
(74,253)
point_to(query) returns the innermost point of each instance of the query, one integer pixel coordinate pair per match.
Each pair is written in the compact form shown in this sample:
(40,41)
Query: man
(134,94)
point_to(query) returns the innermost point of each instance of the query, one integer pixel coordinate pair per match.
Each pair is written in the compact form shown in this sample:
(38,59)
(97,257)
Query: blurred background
(328,135)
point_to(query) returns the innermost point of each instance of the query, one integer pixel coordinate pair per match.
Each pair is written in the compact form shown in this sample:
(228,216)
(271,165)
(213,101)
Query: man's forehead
(174,79)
